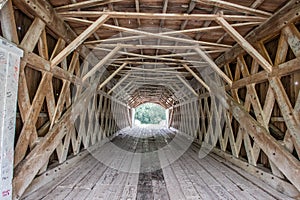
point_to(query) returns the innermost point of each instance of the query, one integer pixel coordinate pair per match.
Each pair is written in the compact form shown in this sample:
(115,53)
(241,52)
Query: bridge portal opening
(149,115)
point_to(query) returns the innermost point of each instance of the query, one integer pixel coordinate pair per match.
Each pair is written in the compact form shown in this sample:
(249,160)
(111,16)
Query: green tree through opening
(150,113)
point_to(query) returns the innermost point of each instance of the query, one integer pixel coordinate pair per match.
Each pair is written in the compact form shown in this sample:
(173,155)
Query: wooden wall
(57,111)
(57,115)
(261,132)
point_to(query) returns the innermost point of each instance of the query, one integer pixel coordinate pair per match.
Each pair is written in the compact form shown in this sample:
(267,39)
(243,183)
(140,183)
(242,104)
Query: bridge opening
(149,115)
(77,76)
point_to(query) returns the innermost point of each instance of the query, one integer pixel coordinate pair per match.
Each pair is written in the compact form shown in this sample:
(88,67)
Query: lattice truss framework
(260,109)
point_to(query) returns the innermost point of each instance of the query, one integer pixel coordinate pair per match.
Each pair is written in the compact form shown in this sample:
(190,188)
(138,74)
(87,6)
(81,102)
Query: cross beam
(187,85)
(244,44)
(196,77)
(79,40)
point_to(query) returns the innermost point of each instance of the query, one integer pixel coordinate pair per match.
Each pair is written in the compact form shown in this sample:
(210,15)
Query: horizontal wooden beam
(235,7)
(134,46)
(198,30)
(84,4)
(38,63)
(283,69)
(165,37)
(140,56)
(166,16)
(173,64)
(266,177)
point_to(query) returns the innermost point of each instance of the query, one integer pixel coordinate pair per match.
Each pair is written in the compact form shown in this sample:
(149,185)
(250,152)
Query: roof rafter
(286,15)
(111,76)
(101,63)
(169,16)
(79,40)
(187,85)
(202,29)
(244,44)
(235,7)
(84,4)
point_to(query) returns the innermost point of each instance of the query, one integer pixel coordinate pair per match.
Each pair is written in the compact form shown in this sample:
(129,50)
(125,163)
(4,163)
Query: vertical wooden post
(107,117)
(167,114)
(103,111)
(132,117)
(9,74)
(129,111)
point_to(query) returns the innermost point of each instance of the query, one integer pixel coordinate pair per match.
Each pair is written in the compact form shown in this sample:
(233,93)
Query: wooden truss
(64,106)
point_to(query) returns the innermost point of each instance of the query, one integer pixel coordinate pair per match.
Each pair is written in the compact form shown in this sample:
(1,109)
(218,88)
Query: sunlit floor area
(188,177)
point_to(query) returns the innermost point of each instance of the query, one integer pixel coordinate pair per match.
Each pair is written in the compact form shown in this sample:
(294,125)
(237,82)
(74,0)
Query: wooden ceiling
(157,37)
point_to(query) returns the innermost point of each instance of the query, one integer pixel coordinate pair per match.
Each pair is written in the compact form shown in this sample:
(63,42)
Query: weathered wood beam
(8,23)
(64,91)
(101,63)
(283,69)
(266,177)
(56,172)
(123,89)
(256,3)
(254,99)
(165,37)
(28,43)
(140,56)
(166,79)
(133,46)
(38,63)
(214,66)
(287,14)
(152,63)
(198,30)
(137,8)
(111,76)
(244,44)
(187,85)
(27,170)
(111,97)
(235,7)
(33,35)
(79,40)
(276,153)
(291,120)
(85,4)
(54,22)
(154,71)
(28,129)
(166,16)
(196,77)
(60,45)
(118,84)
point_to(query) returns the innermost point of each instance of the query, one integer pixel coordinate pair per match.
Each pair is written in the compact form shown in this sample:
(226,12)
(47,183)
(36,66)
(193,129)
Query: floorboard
(139,175)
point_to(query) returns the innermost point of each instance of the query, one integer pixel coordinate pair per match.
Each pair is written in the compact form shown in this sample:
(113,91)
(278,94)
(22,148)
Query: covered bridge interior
(73,71)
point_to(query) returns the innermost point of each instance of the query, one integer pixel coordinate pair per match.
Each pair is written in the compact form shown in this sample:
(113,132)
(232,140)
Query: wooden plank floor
(187,178)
